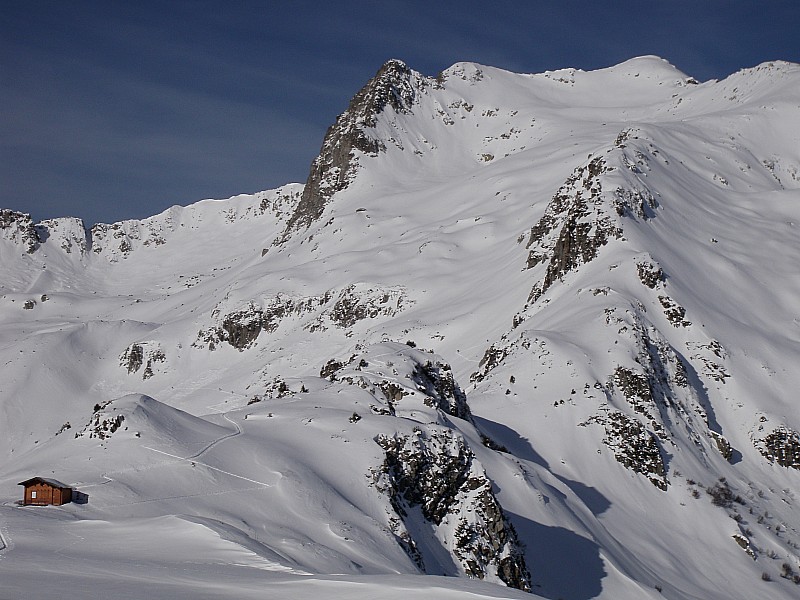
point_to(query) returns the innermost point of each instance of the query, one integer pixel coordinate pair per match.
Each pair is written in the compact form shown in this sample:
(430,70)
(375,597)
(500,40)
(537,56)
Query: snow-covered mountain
(536,330)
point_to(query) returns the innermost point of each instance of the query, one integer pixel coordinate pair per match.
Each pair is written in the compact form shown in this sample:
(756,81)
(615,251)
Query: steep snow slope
(606,259)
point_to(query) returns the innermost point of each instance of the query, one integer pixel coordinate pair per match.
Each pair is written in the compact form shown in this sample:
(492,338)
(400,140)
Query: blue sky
(117,110)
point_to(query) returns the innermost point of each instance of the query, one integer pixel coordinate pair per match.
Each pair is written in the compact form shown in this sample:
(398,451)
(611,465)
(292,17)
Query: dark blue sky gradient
(117,110)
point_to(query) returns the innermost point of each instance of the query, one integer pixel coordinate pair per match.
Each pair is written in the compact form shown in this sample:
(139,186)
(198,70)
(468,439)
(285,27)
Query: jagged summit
(395,86)
(473,113)
(392,85)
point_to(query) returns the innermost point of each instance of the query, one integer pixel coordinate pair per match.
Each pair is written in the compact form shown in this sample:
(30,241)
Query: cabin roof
(47,480)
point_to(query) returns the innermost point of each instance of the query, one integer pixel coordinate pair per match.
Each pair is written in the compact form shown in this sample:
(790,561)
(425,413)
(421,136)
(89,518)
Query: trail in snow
(261,486)
(76,539)
(191,460)
(194,462)
(4,537)
(218,440)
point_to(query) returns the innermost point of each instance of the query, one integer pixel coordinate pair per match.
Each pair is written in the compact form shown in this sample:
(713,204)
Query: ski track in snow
(222,439)
(3,534)
(191,460)
(261,486)
(77,539)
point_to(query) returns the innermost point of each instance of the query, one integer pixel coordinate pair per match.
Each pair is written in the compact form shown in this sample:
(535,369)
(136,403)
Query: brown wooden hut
(41,491)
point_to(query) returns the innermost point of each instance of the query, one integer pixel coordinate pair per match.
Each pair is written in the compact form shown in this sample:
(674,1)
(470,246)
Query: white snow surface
(244,473)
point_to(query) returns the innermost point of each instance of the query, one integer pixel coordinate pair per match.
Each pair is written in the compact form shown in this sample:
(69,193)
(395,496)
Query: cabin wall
(40,494)
(62,495)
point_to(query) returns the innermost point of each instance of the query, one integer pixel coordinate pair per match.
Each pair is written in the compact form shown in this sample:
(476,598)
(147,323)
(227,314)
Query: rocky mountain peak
(392,85)
(395,85)
(19,228)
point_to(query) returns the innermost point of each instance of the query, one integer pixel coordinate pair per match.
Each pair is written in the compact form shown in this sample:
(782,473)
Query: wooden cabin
(40,491)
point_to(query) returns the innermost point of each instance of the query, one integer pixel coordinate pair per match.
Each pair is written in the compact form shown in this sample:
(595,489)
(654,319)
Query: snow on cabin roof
(52,482)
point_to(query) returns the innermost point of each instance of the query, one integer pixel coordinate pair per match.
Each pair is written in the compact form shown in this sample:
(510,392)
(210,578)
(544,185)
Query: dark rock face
(634,447)
(434,474)
(355,304)
(328,371)
(781,446)
(132,358)
(428,471)
(437,380)
(144,353)
(239,328)
(336,165)
(495,355)
(104,235)
(573,228)
(19,228)
(649,274)
(723,446)
(579,220)
(242,328)
(674,312)
(283,306)
(635,387)
(103,423)
(430,381)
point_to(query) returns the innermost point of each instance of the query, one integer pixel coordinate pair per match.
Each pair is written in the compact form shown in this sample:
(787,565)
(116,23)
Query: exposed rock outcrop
(395,86)
(407,380)
(633,446)
(118,240)
(781,446)
(138,354)
(104,422)
(19,228)
(650,274)
(659,393)
(355,303)
(361,301)
(69,233)
(432,477)
(436,378)
(581,218)
(574,226)
(239,328)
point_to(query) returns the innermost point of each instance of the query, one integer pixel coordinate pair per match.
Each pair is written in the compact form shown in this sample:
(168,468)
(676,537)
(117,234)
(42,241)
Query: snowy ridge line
(209,466)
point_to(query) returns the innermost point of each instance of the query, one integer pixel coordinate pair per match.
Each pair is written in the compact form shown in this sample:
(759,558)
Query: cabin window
(33,495)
